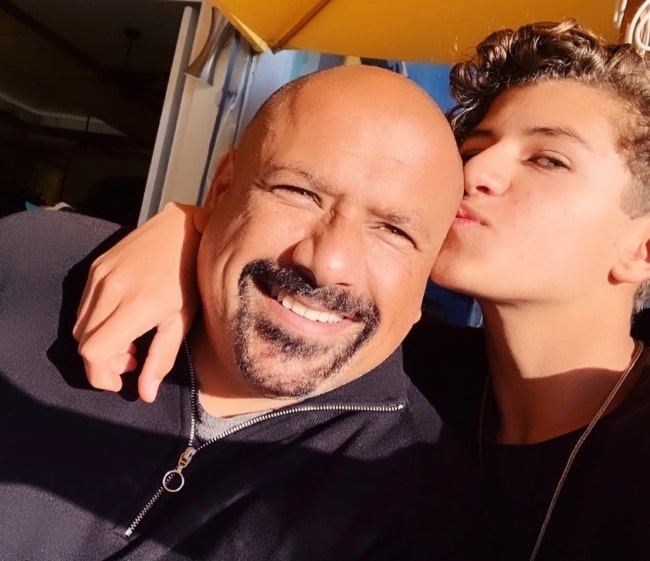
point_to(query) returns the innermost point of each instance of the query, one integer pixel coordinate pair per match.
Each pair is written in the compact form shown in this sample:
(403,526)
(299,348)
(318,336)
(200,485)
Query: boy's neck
(551,367)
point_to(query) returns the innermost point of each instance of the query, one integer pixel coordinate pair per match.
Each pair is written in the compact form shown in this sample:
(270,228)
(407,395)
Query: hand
(146,281)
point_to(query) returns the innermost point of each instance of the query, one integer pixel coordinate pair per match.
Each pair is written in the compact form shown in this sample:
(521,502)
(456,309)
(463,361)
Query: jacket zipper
(173,480)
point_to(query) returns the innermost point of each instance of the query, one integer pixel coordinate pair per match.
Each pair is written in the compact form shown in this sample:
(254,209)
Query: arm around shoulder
(147,281)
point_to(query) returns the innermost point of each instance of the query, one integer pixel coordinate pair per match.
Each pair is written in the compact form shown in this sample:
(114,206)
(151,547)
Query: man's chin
(286,378)
(281,364)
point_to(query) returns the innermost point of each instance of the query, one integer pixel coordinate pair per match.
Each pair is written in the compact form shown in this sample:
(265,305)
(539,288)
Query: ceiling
(101,66)
(85,64)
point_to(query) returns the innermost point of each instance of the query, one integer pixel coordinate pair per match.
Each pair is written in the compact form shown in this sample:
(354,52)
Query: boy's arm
(147,281)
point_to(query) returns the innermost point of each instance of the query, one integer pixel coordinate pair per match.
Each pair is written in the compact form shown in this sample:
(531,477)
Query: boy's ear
(221,181)
(634,265)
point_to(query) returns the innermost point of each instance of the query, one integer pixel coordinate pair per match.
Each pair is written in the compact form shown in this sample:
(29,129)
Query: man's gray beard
(285,347)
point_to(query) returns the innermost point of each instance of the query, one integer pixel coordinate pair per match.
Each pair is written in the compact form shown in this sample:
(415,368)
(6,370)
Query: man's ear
(633,265)
(221,181)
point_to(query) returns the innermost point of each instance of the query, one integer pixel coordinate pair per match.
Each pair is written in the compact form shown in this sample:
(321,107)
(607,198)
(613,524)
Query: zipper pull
(173,480)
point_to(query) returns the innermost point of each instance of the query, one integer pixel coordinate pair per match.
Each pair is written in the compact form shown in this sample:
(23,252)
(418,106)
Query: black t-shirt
(603,511)
(519,481)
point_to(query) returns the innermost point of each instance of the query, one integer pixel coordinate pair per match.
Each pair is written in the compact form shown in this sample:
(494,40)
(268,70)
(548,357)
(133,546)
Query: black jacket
(366,471)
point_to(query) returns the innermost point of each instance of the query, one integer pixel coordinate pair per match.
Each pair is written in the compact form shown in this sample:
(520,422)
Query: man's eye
(297,191)
(395,231)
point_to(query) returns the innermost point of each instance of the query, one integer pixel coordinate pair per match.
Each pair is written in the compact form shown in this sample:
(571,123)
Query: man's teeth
(309,313)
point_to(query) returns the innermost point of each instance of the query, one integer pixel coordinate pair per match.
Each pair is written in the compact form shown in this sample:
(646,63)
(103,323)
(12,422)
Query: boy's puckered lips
(467,215)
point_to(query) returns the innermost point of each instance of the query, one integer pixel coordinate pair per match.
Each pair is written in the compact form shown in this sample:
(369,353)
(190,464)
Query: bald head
(352,93)
(323,228)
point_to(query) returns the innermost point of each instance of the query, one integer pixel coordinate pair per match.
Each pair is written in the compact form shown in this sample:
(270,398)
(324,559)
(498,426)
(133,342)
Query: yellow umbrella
(416,30)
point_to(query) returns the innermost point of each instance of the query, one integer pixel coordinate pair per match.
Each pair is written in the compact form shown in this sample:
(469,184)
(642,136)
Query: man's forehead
(393,136)
(357,104)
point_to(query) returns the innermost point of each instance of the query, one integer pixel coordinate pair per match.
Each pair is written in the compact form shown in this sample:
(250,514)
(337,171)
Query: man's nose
(488,172)
(332,252)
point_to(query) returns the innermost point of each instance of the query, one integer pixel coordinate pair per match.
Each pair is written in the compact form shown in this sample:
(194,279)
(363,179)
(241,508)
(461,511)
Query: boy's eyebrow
(565,132)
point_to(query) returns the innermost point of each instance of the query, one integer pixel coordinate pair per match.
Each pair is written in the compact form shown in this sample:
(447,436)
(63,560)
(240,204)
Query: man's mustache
(295,281)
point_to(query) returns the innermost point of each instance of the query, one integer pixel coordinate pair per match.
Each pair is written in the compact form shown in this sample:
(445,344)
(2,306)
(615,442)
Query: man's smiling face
(323,229)
(262,338)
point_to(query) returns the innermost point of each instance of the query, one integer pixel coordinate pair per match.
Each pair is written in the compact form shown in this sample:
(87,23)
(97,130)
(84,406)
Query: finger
(160,358)
(99,301)
(107,375)
(110,333)
(109,350)
(88,293)
(95,283)
(87,303)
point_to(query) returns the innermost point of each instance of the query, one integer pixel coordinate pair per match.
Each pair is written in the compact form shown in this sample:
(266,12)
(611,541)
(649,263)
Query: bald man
(287,429)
